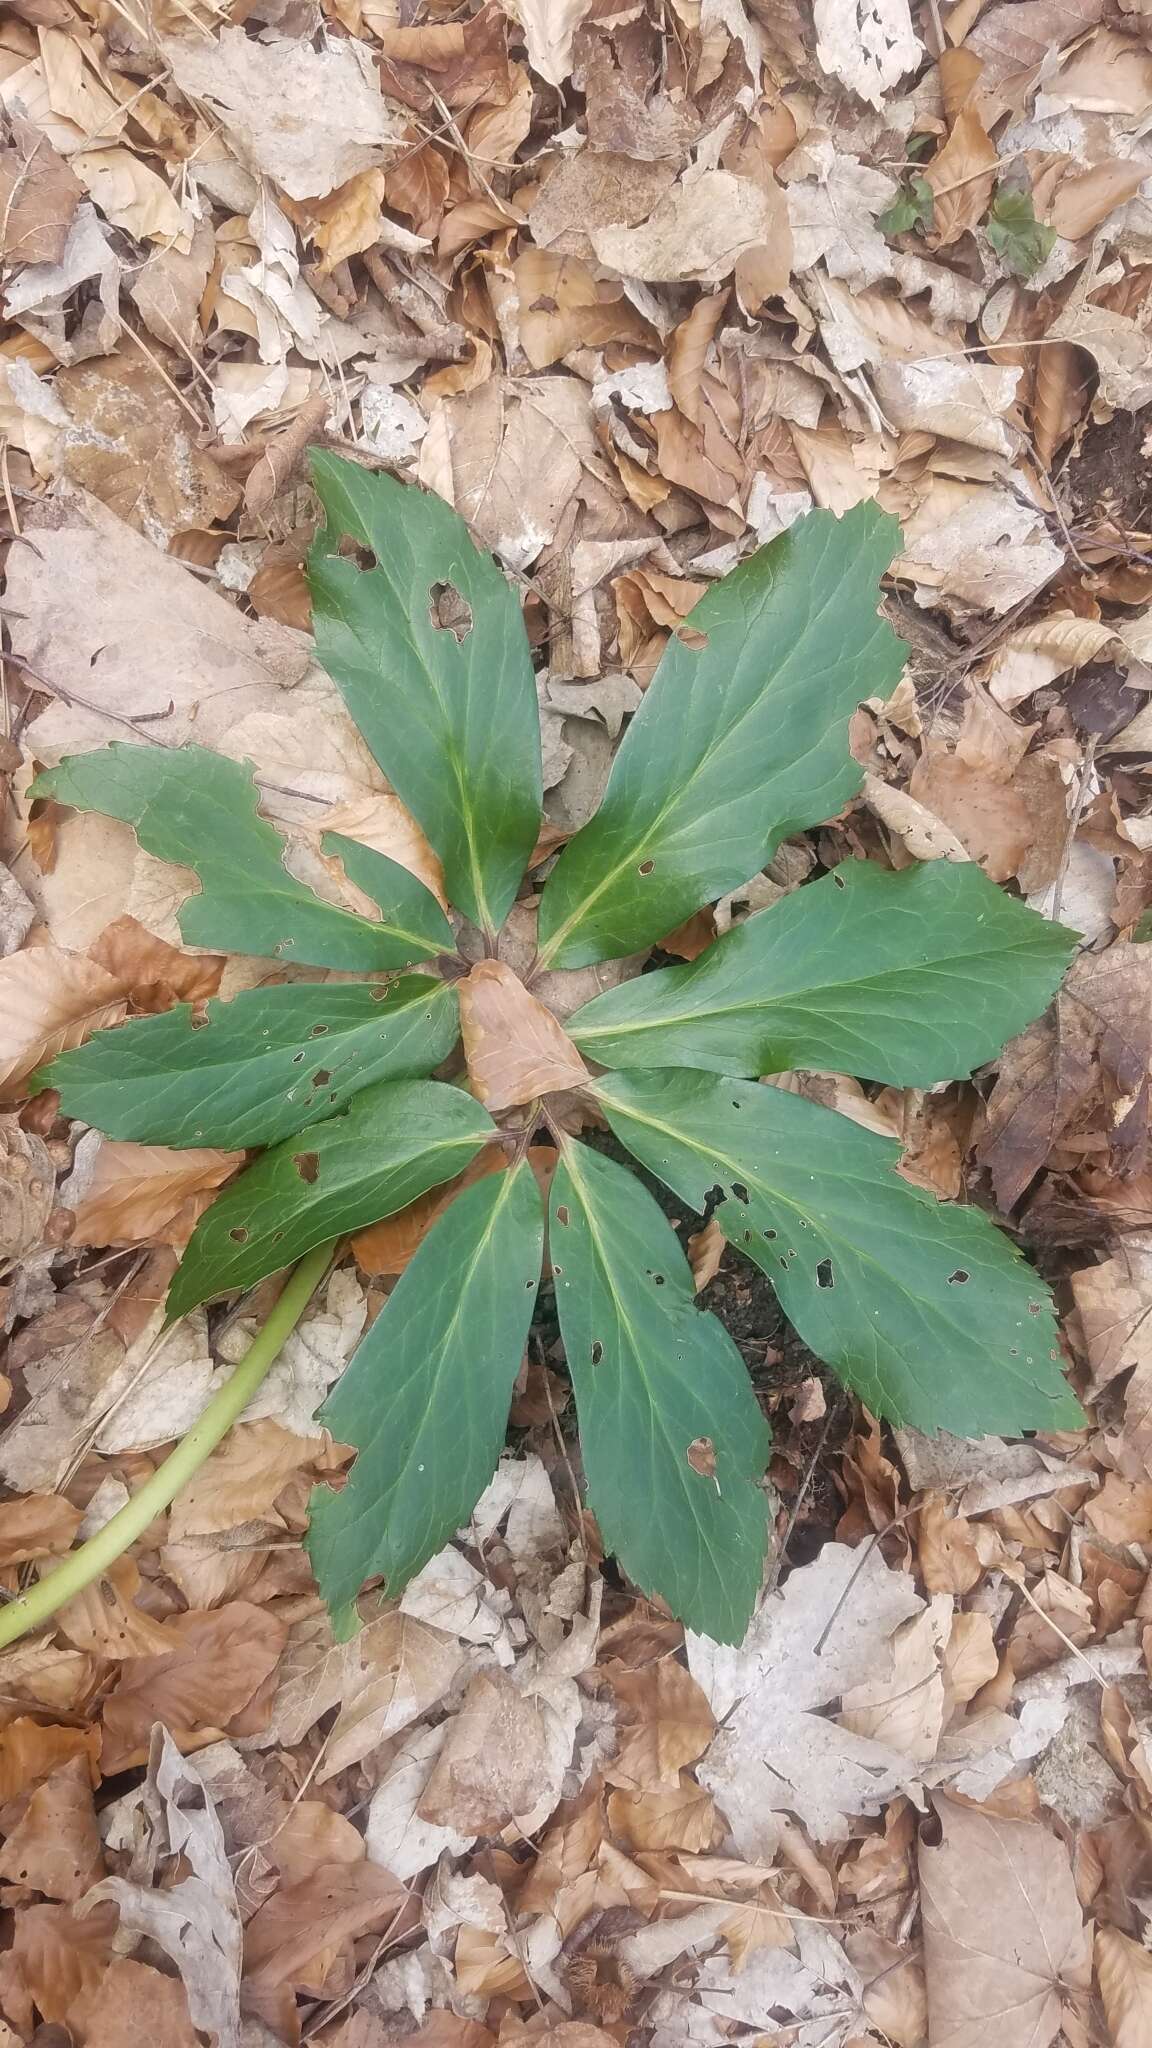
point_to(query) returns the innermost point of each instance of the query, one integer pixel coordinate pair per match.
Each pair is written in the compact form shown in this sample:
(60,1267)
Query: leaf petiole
(31,1609)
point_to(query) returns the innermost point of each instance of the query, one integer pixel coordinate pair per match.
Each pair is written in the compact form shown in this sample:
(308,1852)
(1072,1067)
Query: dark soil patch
(1110,479)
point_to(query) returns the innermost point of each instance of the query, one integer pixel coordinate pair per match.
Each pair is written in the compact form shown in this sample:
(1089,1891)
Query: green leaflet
(425,1400)
(912,978)
(1022,242)
(392,1143)
(453,723)
(737,743)
(405,904)
(198,808)
(672,1437)
(253,1070)
(924,1308)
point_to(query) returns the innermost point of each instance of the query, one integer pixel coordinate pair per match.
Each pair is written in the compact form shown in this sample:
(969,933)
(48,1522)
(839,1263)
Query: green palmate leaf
(741,739)
(448,709)
(253,1070)
(392,1143)
(198,808)
(913,978)
(911,208)
(425,1400)
(1023,242)
(925,1309)
(673,1441)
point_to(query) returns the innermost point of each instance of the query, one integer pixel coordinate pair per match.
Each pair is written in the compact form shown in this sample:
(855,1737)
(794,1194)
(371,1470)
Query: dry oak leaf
(147,1194)
(49,1001)
(54,1847)
(154,974)
(666,1723)
(1125,1973)
(137,2007)
(1004,1936)
(493,1762)
(868,45)
(39,195)
(222,1663)
(514,1047)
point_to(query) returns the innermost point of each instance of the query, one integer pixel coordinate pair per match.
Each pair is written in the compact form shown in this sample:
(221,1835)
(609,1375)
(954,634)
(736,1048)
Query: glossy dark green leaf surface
(742,738)
(425,1400)
(924,1308)
(450,715)
(912,978)
(392,1143)
(673,1441)
(253,1070)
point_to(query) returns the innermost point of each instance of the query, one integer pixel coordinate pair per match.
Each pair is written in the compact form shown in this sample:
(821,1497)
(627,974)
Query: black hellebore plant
(925,1309)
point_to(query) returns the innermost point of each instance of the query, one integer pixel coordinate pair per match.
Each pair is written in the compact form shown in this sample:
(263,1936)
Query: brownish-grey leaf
(1004,1936)
(515,1048)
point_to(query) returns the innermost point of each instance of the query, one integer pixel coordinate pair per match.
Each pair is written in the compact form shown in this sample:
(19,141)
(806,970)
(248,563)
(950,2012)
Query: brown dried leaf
(680,1816)
(148,1194)
(55,1845)
(49,1002)
(1003,1930)
(131,447)
(40,1525)
(946,1547)
(963,173)
(1083,1065)
(152,973)
(29,1753)
(492,1763)
(138,2007)
(224,1659)
(294,1937)
(39,195)
(27,1189)
(515,1048)
(387,1247)
(667,1723)
(1125,1973)
(563,306)
(240,1481)
(61,1955)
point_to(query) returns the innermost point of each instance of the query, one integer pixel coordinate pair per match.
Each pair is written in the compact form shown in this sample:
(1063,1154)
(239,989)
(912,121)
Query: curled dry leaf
(49,1002)
(130,445)
(667,1724)
(515,1048)
(30,1753)
(194,1920)
(59,1957)
(240,1481)
(152,973)
(39,1525)
(1125,1973)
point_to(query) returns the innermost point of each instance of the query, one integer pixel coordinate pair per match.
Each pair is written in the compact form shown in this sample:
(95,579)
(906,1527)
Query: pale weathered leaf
(1003,1931)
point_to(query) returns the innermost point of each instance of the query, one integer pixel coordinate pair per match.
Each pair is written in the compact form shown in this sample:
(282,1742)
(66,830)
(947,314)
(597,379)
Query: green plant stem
(93,1558)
